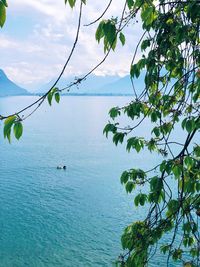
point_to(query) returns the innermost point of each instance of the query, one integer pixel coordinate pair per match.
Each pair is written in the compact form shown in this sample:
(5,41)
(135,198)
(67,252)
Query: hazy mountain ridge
(90,85)
(93,85)
(9,88)
(122,86)
(97,85)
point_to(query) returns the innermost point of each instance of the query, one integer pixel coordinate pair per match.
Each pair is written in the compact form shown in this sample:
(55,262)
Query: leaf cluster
(13,123)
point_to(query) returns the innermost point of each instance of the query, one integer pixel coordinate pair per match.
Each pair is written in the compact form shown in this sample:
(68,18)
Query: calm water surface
(51,217)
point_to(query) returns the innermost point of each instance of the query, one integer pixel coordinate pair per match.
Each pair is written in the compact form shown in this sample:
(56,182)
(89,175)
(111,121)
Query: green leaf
(130,3)
(114,112)
(18,129)
(151,145)
(109,128)
(57,97)
(71,2)
(184,123)
(165,248)
(2,14)
(5,3)
(8,123)
(145,44)
(194,252)
(126,238)
(173,206)
(49,97)
(189,162)
(156,184)
(177,254)
(110,39)
(99,32)
(197,150)
(135,72)
(148,15)
(187,227)
(190,125)
(140,199)
(177,170)
(136,200)
(124,177)
(154,116)
(129,187)
(122,38)
(156,131)
(135,143)
(118,137)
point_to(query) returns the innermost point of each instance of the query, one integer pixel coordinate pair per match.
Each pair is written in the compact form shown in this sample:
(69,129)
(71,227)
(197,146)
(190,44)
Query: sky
(38,35)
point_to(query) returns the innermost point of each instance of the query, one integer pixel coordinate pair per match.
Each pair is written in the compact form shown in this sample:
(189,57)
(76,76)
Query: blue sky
(38,35)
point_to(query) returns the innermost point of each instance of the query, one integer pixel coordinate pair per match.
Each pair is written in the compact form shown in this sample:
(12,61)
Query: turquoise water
(51,217)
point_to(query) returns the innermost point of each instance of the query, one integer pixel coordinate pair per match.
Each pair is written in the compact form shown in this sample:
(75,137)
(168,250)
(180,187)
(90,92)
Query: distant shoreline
(71,94)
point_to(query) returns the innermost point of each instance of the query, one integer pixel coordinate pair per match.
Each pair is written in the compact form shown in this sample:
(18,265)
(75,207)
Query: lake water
(51,217)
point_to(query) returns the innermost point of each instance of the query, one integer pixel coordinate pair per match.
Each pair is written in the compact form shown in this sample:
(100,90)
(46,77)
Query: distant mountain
(99,85)
(90,85)
(9,88)
(122,86)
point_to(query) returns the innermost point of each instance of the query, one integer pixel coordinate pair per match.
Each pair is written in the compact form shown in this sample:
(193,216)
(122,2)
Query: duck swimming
(61,167)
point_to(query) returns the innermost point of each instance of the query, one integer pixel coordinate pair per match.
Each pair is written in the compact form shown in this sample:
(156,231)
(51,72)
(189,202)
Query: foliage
(170,60)
(3,5)
(13,122)
(53,93)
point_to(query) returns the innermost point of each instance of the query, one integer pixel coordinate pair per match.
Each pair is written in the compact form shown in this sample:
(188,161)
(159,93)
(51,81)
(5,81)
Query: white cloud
(46,7)
(6,42)
(40,55)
